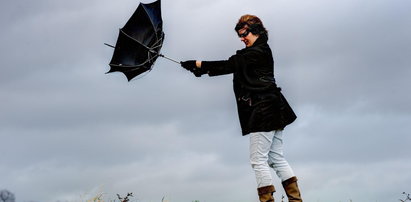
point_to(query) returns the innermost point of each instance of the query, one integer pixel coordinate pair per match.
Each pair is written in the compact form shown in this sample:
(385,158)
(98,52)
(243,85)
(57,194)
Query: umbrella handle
(161,55)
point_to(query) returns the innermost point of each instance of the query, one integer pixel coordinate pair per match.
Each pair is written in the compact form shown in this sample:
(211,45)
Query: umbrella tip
(109,45)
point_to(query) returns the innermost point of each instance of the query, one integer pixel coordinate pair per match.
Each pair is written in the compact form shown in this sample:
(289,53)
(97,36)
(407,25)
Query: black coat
(261,106)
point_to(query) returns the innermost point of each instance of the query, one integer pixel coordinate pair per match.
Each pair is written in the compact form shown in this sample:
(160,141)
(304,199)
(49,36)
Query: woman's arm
(216,68)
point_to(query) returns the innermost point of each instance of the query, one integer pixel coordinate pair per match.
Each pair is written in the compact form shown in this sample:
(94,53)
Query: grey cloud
(344,67)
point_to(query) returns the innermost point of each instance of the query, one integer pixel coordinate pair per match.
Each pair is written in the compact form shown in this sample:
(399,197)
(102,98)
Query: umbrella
(139,42)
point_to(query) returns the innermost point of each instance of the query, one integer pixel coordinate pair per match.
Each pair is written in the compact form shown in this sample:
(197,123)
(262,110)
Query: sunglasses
(244,34)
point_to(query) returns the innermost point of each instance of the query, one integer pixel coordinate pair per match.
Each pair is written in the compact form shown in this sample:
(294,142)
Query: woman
(262,109)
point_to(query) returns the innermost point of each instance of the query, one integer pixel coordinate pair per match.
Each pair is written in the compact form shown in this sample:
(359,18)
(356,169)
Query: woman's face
(247,37)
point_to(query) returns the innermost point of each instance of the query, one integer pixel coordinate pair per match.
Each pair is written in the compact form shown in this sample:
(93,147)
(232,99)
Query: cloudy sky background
(69,132)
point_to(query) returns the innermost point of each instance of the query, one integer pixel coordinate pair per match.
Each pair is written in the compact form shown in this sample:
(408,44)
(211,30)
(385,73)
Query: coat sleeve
(222,67)
(217,68)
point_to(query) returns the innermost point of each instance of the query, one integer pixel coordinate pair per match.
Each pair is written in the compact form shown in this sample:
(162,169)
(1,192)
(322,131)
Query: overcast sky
(69,132)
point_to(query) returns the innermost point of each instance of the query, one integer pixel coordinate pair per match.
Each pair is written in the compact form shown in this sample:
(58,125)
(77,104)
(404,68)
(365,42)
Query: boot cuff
(266,190)
(289,181)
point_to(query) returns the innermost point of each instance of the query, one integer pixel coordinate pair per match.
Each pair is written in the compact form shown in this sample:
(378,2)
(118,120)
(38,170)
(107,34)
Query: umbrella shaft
(161,55)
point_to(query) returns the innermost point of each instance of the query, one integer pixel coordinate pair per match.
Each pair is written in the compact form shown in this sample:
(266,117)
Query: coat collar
(262,39)
(260,42)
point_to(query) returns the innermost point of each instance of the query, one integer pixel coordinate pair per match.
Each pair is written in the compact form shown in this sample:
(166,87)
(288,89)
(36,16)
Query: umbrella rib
(134,39)
(158,42)
(134,67)
(151,20)
(148,48)
(131,66)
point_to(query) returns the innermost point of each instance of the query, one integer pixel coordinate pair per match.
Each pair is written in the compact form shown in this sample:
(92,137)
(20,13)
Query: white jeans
(266,150)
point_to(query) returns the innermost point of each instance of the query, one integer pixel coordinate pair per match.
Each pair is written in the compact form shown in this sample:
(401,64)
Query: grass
(127,199)
(98,198)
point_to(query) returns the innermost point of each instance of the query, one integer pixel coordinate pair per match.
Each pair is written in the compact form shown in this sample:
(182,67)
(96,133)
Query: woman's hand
(194,66)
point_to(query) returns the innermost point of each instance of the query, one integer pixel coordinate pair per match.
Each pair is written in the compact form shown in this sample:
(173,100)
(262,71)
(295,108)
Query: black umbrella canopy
(139,41)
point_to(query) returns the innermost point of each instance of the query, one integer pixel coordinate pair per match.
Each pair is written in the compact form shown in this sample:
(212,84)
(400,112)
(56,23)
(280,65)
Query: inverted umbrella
(139,42)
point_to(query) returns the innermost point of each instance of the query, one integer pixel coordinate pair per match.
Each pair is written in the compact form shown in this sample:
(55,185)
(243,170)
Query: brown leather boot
(266,193)
(291,189)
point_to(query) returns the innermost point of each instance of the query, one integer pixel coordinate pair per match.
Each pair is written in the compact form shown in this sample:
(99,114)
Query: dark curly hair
(253,23)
